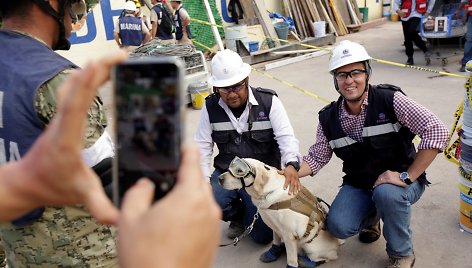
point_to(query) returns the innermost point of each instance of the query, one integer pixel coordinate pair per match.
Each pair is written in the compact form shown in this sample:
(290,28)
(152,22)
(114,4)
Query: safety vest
(421,6)
(131,31)
(469,7)
(257,139)
(25,64)
(178,24)
(385,145)
(162,15)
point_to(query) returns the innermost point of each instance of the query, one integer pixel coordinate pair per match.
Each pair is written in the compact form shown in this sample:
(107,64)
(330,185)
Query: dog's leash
(245,233)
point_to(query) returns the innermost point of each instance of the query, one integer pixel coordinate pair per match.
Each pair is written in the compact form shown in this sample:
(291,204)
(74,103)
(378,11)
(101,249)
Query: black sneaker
(462,69)
(410,61)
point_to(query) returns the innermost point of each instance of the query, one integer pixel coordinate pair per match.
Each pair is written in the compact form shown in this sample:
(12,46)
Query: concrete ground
(438,240)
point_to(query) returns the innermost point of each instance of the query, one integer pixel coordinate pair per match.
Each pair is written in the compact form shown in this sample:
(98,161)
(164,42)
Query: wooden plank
(288,11)
(328,20)
(300,18)
(309,19)
(296,18)
(280,63)
(313,10)
(266,23)
(250,17)
(262,56)
(343,13)
(356,9)
(327,8)
(353,14)
(339,21)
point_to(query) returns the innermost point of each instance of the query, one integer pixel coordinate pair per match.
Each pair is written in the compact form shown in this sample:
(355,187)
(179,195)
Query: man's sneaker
(462,69)
(235,229)
(272,254)
(410,61)
(428,54)
(370,233)
(405,262)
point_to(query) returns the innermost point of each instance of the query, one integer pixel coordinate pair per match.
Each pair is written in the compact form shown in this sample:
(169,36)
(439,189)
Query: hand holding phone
(148,123)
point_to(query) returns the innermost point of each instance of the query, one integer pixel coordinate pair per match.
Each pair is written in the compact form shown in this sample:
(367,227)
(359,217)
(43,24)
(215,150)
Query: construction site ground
(438,241)
(437,238)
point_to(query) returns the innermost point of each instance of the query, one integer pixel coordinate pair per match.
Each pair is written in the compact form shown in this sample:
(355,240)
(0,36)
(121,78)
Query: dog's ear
(262,177)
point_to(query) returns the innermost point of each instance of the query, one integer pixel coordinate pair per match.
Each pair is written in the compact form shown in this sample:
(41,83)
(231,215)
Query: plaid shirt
(420,121)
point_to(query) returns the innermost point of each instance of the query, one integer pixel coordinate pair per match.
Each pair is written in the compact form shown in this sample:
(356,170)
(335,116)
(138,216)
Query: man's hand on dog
(291,179)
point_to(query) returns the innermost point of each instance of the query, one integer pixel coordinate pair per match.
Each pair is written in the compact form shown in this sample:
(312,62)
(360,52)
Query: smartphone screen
(147,123)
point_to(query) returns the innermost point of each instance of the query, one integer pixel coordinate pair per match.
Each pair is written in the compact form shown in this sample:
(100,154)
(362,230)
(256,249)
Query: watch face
(404,176)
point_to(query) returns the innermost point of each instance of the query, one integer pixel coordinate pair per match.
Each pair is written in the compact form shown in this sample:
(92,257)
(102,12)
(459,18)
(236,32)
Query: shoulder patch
(390,87)
(327,107)
(266,90)
(212,95)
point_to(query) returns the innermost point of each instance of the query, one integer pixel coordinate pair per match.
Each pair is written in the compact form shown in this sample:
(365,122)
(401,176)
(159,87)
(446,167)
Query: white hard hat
(227,68)
(345,53)
(130,6)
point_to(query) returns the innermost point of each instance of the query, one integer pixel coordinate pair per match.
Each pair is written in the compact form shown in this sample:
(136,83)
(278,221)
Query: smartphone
(148,117)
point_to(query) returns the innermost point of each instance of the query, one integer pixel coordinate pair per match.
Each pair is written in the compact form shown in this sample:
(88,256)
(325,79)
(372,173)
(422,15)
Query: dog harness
(307,204)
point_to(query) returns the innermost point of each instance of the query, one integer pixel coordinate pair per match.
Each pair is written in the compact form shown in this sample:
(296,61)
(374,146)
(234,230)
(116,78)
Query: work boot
(427,55)
(462,69)
(235,229)
(405,262)
(272,254)
(370,233)
(410,61)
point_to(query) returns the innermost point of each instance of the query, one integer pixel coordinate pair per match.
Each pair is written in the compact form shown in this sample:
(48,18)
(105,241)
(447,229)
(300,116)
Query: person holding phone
(30,76)
(53,173)
(244,121)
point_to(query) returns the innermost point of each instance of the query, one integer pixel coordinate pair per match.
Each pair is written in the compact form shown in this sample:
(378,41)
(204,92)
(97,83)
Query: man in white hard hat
(244,121)
(371,129)
(130,30)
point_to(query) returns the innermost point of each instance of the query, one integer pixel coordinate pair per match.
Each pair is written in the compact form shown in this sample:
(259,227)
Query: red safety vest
(421,6)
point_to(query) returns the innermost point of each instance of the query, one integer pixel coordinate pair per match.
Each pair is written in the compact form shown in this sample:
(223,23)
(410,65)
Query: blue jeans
(468,43)
(237,206)
(354,209)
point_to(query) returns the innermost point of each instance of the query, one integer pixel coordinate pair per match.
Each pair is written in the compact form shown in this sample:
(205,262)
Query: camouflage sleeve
(45,106)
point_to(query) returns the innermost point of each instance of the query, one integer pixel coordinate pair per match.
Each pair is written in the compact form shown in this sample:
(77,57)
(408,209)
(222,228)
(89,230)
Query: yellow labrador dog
(297,220)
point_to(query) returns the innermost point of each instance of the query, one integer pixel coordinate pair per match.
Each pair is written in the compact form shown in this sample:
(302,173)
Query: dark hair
(14,8)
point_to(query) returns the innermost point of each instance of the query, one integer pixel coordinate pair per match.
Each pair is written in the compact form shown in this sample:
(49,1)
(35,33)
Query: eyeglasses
(354,74)
(236,88)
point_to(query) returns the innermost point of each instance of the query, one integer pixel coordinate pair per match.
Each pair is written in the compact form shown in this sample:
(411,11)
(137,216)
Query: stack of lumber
(337,14)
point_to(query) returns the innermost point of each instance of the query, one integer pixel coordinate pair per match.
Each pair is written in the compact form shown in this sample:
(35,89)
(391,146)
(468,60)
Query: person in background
(465,14)
(371,129)
(410,12)
(161,20)
(244,121)
(183,35)
(131,31)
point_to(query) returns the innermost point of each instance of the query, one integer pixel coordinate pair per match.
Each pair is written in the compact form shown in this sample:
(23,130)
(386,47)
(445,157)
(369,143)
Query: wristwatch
(294,164)
(405,177)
